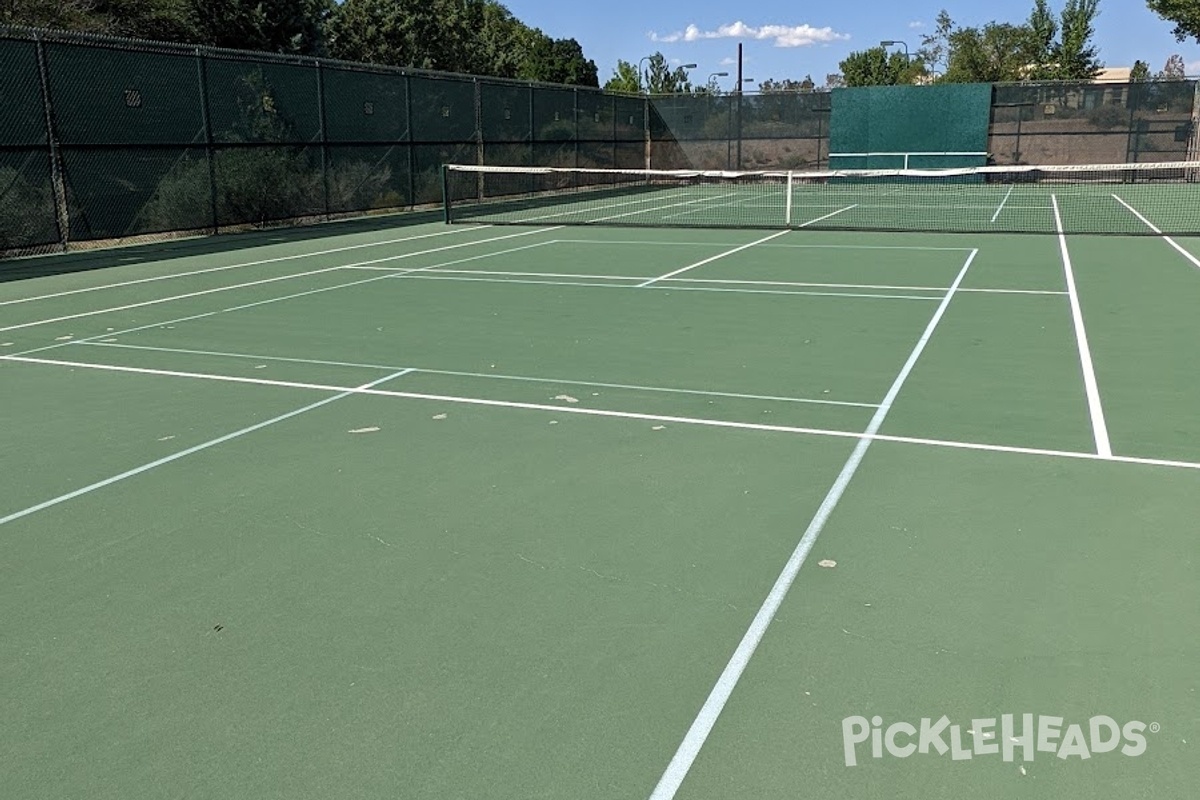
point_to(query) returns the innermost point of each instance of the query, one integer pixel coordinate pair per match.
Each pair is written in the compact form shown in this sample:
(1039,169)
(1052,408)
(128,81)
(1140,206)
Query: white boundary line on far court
(711,259)
(1091,388)
(194,449)
(434,276)
(1074,455)
(807,246)
(1185,253)
(739,248)
(1003,202)
(293,276)
(722,281)
(241,265)
(280,298)
(698,733)
(489,375)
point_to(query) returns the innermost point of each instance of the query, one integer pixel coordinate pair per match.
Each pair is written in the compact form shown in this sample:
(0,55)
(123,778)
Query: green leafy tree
(1174,69)
(72,15)
(661,79)
(1140,72)
(787,85)
(1184,13)
(1075,55)
(277,26)
(480,37)
(625,79)
(558,61)
(996,52)
(1043,32)
(935,47)
(878,67)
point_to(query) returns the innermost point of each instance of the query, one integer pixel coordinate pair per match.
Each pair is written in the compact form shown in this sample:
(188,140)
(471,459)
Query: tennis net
(1130,199)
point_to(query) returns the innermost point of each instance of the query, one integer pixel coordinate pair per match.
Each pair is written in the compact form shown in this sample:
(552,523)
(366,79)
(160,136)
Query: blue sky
(790,39)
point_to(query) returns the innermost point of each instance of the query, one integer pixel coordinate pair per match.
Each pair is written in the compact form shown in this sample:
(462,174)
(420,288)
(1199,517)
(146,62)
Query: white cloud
(783,35)
(916,24)
(1192,68)
(727,61)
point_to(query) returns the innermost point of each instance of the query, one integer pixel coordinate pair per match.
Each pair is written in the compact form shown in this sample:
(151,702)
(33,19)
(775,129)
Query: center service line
(698,733)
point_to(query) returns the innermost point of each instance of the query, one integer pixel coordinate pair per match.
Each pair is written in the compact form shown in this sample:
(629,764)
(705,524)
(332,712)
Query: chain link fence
(106,139)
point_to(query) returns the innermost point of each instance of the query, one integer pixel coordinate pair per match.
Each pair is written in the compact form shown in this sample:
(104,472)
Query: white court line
(656,208)
(698,733)
(767,246)
(235,266)
(703,208)
(1095,409)
(1000,207)
(270,300)
(711,259)
(490,375)
(189,451)
(214,290)
(1189,256)
(595,412)
(571,198)
(434,276)
(730,281)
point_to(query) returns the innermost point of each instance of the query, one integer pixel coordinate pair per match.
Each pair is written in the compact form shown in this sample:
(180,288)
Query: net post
(446,193)
(787,203)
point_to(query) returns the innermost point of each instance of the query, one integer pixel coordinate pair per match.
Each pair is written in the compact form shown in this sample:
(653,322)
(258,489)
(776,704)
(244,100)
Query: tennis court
(427,510)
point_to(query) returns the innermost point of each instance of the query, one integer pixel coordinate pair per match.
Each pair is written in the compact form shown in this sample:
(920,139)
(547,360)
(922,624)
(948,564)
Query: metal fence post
(412,150)
(62,219)
(209,154)
(323,134)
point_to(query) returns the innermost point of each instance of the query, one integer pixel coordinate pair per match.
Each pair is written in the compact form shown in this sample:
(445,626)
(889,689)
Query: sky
(790,39)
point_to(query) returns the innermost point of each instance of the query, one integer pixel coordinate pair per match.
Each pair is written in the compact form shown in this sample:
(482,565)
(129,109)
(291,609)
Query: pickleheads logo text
(1008,737)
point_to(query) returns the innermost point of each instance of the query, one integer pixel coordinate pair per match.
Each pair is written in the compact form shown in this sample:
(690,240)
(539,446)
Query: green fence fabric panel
(22,118)
(26,195)
(113,97)
(258,102)
(363,107)
(910,119)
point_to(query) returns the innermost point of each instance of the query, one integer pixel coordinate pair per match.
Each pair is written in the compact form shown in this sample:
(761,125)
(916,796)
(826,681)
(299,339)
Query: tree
(835,80)
(1184,13)
(878,67)
(558,61)
(1140,72)
(1174,69)
(1075,54)
(661,79)
(72,15)
(995,53)
(787,85)
(277,26)
(1042,30)
(935,47)
(625,79)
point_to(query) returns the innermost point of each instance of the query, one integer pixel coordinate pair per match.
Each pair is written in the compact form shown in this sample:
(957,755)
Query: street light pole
(892,43)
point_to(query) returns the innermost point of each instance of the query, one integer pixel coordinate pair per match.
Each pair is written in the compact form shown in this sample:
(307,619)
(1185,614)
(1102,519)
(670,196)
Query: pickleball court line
(194,449)
(685,755)
(241,265)
(597,412)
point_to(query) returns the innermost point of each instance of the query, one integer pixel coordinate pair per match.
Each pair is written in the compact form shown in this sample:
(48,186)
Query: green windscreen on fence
(910,127)
(111,139)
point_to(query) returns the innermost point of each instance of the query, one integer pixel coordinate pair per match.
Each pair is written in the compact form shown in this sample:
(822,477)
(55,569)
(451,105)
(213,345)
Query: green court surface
(430,511)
